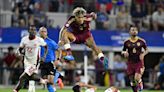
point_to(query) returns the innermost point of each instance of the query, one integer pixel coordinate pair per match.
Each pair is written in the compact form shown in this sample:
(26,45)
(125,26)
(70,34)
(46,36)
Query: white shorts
(31,70)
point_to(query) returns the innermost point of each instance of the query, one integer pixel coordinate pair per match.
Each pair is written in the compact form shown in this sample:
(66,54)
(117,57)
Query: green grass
(69,90)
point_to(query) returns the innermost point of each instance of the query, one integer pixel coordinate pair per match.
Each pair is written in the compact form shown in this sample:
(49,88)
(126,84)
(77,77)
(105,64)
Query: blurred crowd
(111,14)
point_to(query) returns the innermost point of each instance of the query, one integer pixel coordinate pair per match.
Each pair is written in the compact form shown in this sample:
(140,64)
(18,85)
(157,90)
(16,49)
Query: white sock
(100,55)
(67,46)
(31,86)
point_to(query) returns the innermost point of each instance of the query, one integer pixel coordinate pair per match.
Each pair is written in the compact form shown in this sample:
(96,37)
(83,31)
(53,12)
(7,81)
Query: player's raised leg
(65,41)
(91,44)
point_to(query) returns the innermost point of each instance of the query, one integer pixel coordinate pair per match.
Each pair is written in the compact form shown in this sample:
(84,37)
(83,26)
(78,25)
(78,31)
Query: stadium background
(109,30)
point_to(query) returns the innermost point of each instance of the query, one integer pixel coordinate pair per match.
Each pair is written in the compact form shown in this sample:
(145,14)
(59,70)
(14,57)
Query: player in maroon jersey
(135,50)
(77,30)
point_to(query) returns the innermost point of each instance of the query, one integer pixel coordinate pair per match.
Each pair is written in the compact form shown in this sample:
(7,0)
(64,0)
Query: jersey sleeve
(42,42)
(144,44)
(124,46)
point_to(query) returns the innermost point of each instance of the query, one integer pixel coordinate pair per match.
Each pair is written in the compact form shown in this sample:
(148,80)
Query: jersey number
(29,50)
(134,50)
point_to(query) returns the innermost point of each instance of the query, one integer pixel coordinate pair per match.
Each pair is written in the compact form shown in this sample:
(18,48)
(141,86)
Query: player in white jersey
(30,49)
(89,88)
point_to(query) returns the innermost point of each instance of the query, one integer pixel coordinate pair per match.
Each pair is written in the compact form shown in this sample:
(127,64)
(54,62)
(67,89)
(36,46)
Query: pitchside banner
(103,38)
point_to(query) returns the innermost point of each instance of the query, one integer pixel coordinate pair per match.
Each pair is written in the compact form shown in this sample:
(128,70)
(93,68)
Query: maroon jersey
(80,31)
(134,49)
(76,28)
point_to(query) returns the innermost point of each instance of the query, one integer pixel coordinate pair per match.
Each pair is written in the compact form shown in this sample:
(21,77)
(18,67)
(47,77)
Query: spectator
(102,21)
(160,67)
(107,3)
(119,66)
(9,61)
(40,18)
(158,18)
(123,19)
(25,7)
(53,5)
(137,15)
(18,20)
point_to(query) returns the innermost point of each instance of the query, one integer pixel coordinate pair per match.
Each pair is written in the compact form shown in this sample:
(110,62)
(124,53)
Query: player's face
(43,33)
(80,19)
(32,31)
(133,31)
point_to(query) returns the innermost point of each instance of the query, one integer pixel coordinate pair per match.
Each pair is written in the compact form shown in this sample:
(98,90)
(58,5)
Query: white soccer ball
(112,89)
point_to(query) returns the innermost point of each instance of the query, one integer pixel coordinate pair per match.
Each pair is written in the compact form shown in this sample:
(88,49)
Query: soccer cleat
(140,87)
(69,58)
(105,62)
(60,83)
(15,90)
(54,89)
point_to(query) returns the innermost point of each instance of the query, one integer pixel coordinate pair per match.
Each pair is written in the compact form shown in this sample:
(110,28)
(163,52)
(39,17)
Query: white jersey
(90,90)
(32,49)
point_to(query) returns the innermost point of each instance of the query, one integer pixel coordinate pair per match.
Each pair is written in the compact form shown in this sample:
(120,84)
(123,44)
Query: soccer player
(112,89)
(77,87)
(77,30)
(135,49)
(47,67)
(30,49)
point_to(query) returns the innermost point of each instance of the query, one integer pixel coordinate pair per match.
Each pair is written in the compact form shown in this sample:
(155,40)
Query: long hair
(79,11)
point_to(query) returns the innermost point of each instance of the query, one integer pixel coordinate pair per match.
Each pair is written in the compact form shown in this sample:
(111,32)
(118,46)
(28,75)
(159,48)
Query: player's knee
(72,38)
(61,43)
(138,78)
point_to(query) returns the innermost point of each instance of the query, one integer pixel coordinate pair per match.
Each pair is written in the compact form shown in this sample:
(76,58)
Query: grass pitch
(69,90)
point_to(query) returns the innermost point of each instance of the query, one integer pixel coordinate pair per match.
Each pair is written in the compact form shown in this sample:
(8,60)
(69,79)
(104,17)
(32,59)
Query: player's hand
(57,62)
(142,57)
(125,54)
(94,15)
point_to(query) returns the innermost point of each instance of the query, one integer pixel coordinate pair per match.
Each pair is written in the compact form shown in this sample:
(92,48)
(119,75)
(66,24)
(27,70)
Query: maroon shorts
(81,38)
(133,68)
